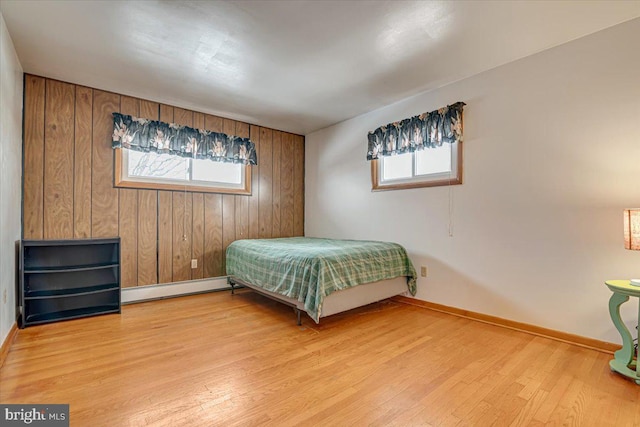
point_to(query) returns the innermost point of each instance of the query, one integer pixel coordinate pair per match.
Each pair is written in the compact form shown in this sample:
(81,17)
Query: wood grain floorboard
(218,359)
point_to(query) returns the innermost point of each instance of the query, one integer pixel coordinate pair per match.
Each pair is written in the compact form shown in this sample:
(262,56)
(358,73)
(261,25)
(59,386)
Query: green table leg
(624,356)
(637,379)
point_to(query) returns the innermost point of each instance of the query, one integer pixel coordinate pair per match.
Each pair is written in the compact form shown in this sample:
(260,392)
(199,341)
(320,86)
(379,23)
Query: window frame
(122,180)
(421,181)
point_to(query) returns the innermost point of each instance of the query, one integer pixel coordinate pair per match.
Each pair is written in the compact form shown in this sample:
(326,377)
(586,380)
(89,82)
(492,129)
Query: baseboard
(8,341)
(603,346)
(170,290)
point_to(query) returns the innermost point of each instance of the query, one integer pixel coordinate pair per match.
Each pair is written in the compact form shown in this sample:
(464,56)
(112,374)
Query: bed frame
(339,301)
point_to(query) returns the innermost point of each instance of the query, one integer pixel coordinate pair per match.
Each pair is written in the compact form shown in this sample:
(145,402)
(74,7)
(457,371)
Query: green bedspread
(309,269)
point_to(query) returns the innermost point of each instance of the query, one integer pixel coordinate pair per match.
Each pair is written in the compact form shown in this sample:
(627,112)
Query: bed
(321,276)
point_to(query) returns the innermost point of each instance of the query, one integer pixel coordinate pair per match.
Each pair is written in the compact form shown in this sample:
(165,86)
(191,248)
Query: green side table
(623,361)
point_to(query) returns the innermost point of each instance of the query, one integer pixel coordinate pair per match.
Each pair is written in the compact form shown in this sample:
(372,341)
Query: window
(136,169)
(429,167)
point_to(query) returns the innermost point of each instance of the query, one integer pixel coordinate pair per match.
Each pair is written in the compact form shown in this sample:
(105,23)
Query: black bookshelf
(68,279)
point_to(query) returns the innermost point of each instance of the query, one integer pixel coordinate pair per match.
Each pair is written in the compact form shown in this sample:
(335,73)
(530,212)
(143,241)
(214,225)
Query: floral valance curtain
(419,132)
(151,135)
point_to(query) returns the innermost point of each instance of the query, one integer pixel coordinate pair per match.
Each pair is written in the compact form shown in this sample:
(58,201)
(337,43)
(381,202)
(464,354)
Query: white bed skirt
(347,299)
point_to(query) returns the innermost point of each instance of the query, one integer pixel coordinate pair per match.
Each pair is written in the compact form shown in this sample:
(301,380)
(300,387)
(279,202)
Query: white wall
(552,156)
(10,174)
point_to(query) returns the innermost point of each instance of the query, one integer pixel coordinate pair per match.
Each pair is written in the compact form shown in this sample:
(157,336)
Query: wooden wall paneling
(128,214)
(147,237)
(130,106)
(197,233)
(165,219)
(242,217)
(82,163)
(275,195)
(104,197)
(182,222)
(242,130)
(198,120)
(149,110)
(183,117)
(228,205)
(165,236)
(265,183)
(242,202)
(298,186)
(148,217)
(182,216)
(166,113)
(33,186)
(254,200)
(151,223)
(228,225)
(213,123)
(229,126)
(197,229)
(128,225)
(213,247)
(286,186)
(58,160)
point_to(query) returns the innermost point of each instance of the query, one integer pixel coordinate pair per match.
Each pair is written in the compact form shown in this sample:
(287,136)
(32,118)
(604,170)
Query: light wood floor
(217,359)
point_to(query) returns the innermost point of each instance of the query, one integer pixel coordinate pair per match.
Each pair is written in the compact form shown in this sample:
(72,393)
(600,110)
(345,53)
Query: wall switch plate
(4,297)
(423,271)
(194,263)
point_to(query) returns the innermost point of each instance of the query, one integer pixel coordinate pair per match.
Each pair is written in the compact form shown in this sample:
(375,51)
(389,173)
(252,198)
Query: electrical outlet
(423,271)
(194,263)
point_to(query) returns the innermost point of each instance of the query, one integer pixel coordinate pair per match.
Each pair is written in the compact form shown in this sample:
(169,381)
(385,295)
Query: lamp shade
(632,229)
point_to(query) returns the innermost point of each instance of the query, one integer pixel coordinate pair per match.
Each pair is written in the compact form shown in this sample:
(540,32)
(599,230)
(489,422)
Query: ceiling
(292,65)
